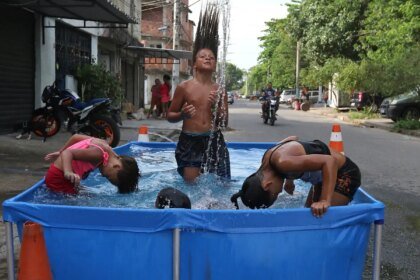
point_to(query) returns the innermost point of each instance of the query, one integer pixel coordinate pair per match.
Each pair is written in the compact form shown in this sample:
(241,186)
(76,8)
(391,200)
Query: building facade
(157,32)
(46,40)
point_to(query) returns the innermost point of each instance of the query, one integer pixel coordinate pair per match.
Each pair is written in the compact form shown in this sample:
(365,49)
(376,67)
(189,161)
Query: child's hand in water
(188,111)
(72,177)
(52,156)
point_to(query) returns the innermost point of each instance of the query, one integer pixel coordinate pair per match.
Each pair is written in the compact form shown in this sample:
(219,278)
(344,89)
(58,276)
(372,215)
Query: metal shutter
(17,68)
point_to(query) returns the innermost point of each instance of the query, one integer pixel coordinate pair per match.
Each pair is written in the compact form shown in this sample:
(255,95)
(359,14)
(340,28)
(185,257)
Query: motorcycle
(270,105)
(95,117)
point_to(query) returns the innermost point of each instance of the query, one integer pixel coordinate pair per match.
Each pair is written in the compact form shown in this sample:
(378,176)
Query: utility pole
(175,41)
(297,68)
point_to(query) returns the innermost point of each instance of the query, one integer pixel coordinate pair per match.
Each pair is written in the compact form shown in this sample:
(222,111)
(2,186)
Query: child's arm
(313,162)
(179,109)
(289,186)
(72,140)
(92,155)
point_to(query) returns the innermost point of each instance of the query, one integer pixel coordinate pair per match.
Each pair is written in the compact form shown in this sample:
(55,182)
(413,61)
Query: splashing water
(218,117)
(159,171)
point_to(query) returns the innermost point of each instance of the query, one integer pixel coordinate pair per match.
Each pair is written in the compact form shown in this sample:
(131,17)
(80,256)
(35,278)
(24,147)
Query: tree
(278,55)
(391,40)
(234,77)
(94,81)
(257,78)
(327,28)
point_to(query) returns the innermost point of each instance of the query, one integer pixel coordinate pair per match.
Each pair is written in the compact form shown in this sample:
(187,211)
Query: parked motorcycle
(95,117)
(270,105)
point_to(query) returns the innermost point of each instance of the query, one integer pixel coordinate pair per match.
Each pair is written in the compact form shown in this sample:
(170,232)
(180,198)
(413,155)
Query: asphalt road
(388,161)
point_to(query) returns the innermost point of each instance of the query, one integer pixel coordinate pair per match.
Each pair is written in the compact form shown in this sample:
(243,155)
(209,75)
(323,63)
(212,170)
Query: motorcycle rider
(268,93)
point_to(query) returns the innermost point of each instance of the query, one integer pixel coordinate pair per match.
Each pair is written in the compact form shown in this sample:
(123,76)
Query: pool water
(158,168)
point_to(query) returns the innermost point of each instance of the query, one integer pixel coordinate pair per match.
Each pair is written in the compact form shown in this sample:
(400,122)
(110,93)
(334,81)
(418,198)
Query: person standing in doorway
(165,90)
(155,99)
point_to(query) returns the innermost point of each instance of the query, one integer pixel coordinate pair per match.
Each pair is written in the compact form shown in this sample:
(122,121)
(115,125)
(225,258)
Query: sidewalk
(381,123)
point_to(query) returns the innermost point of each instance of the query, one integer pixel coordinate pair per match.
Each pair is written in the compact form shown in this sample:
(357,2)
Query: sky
(247,23)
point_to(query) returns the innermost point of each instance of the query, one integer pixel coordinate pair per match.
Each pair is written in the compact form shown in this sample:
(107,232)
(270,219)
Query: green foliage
(95,82)
(365,45)
(278,57)
(350,78)
(366,113)
(257,77)
(406,124)
(392,44)
(390,28)
(327,28)
(234,77)
(315,74)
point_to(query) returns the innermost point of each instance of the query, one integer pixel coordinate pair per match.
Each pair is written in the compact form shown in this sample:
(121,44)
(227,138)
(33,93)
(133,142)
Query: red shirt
(164,93)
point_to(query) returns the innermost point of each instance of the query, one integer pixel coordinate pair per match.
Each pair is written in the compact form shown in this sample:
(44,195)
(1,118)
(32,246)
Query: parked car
(287,96)
(230,98)
(404,106)
(313,96)
(361,99)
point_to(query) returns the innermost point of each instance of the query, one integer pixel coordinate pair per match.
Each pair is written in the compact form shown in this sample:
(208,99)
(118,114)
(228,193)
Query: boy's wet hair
(207,34)
(252,194)
(128,176)
(172,198)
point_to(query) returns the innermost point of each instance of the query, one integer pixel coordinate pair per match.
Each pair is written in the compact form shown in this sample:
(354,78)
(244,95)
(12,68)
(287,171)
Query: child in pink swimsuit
(82,154)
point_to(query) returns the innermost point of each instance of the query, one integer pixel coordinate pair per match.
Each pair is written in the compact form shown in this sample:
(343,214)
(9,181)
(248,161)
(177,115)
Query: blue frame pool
(126,243)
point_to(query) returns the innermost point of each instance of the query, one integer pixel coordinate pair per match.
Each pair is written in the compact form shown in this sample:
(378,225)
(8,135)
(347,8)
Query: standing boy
(165,94)
(201,145)
(155,99)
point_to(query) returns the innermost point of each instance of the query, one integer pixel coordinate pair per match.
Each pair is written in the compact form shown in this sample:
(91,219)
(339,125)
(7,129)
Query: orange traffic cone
(33,260)
(143,134)
(336,140)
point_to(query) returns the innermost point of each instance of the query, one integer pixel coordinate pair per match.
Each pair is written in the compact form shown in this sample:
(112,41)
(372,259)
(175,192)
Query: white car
(313,96)
(230,98)
(287,96)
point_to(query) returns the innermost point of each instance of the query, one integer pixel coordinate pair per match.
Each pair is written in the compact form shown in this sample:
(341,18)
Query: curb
(370,124)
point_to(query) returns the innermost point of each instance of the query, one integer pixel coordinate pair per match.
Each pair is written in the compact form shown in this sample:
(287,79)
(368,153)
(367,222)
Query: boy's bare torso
(197,94)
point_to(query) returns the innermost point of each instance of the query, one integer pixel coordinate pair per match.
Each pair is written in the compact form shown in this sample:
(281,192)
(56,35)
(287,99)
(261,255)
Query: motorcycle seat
(81,105)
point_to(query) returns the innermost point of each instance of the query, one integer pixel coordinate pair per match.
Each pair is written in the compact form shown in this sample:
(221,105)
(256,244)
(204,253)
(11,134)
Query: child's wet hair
(207,32)
(128,176)
(252,194)
(172,198)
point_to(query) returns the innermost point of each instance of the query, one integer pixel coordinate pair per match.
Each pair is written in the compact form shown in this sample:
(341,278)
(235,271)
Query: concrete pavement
(22,164)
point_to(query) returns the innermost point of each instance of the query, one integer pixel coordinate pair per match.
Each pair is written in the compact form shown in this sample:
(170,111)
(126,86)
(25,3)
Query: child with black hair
(196,103)
(165,95)
(334,177)
(172,198)
(82,154)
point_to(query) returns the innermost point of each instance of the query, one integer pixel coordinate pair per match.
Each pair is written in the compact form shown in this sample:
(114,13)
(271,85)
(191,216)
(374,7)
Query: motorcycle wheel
(273,118)
(104,127)
(45,124)
(265,117)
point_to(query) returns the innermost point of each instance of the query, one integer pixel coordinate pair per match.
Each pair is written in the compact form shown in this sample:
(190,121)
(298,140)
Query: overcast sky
(246,25)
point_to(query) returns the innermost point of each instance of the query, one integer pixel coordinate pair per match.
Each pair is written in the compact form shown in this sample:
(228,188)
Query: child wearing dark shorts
(201,104)
(334,177)
(347,183)
(193,150)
